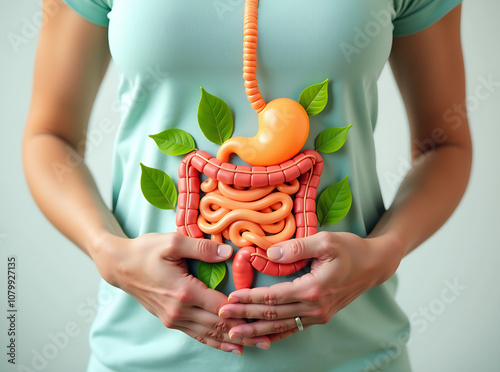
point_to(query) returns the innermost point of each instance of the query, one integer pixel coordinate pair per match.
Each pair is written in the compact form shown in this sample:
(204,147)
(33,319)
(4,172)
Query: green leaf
(334,203)
(174,142)
(215,118)
(332,139)
(158,188)
(314,98)
(211,273)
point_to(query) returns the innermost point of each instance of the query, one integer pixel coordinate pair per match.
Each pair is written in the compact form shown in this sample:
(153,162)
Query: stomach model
(267,202)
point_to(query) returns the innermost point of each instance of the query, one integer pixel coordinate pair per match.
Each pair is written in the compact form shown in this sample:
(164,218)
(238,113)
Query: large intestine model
(273,198)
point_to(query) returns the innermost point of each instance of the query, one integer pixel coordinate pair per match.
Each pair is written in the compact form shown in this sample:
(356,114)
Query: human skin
(428,67)
(72,58)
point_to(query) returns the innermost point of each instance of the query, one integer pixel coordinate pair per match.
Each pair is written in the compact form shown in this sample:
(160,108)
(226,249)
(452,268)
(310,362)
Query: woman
(164,51)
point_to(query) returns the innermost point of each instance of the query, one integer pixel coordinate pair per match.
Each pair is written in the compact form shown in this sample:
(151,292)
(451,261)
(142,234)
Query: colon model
(251,206)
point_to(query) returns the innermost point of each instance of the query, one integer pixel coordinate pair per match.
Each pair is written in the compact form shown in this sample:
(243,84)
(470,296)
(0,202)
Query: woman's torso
(164,51)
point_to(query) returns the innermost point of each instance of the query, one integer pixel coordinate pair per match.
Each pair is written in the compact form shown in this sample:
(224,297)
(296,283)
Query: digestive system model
(271,200)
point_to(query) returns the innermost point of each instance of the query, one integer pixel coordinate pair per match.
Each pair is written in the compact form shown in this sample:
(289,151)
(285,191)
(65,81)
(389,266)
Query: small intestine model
(271,200)
(250,206)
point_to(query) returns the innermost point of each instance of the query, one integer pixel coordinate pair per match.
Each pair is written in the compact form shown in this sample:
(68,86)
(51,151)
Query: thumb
(316,246)
(200,249)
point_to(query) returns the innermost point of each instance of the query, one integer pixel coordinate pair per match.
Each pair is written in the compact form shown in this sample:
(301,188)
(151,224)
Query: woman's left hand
(343,267)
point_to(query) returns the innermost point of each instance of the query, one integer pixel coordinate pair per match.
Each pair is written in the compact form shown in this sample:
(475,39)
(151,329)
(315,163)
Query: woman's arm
(429,70)
(72,58)
(71,61)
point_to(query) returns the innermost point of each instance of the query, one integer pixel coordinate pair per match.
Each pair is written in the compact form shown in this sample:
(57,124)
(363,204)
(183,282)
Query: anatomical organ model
(256,206)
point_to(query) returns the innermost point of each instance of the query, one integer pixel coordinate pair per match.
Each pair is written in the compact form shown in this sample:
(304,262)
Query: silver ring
(299,323)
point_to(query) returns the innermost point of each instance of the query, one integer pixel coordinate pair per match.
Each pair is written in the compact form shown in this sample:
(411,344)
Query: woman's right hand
(152,269)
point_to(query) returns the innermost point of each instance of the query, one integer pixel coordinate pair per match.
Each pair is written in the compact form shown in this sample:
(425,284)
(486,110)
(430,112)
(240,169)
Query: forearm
(428,67)
(427,196)
(66,192)
(71,61)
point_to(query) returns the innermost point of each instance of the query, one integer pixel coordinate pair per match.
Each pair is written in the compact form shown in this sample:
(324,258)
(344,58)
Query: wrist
(107,250)
(390,251)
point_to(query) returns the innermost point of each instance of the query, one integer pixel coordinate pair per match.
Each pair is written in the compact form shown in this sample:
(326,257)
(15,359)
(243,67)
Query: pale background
(57,283)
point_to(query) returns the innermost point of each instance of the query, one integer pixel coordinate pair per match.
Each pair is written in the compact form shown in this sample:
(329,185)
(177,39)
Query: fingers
(212,330)
(320,245)
(180,246)
(280,336)
(258,311)
(220,332)
(197,294)
(302,289)
(196,308)
(283,328)
(220,345)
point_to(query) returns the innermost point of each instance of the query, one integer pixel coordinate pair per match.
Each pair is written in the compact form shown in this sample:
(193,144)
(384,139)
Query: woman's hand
(343,267)
(152,269)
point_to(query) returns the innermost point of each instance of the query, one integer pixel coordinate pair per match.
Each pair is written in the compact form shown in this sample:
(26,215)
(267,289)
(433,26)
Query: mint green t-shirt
(164,51)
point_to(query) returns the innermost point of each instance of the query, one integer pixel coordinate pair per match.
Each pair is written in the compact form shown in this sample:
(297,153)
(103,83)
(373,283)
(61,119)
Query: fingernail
(233,300)
(263,345)
(237,352)
(224,250)
(275,253)
(225,314)
(232,336)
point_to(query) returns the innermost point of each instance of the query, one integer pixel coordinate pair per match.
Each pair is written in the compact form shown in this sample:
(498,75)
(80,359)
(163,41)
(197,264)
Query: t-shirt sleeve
(95,11)
(413,16)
